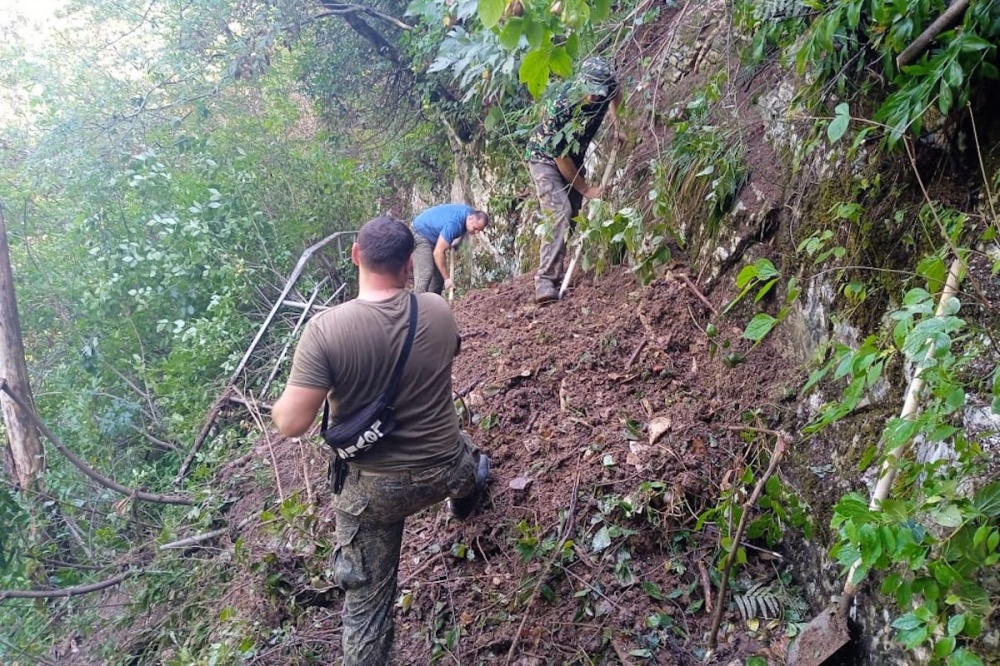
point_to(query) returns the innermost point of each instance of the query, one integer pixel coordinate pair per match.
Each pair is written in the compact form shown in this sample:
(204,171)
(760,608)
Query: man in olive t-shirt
(346,355)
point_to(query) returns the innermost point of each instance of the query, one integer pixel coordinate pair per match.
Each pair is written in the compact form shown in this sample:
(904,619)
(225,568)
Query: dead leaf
(657,427)
(519,483)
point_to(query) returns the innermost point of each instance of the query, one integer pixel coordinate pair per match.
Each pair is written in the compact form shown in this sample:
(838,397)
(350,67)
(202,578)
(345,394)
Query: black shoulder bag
(364,428)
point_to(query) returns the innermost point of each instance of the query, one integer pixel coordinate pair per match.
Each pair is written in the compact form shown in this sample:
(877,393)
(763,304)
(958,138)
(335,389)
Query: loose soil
(612,422)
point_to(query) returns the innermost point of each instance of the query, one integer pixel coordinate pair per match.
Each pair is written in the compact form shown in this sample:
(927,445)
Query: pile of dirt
(613,421)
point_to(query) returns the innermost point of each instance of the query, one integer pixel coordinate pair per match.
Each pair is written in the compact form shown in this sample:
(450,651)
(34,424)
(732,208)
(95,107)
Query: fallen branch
(66,591)
(949,18)
(193,540)
(720,604)
(86,469)
(567,530)
(213,414)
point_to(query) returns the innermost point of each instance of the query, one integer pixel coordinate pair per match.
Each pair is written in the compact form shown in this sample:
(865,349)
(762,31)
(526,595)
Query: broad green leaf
(534,72)
(913,637)
(765,269)
(838,126)
(536,34)
(948,516)
(510,34)
(962,657)
(955,624)
(944,647)
(490,12)
(906,622)
(934,270)
(987,500)
(601,10)
(561,63)
(759,326)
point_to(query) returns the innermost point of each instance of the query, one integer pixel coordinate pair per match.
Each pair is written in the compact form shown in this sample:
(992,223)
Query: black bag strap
(397,372)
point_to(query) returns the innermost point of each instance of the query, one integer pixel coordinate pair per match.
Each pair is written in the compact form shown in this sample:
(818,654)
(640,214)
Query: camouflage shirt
(567,128)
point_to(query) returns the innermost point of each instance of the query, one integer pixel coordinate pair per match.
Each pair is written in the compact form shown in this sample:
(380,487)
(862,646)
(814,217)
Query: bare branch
(66,591)
(196,539)
(339,9)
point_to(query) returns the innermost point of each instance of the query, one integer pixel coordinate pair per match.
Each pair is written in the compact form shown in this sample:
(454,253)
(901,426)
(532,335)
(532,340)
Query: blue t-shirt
(446,220)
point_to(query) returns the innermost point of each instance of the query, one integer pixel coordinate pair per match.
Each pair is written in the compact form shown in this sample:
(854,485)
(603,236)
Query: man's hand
(448,284)
(593,192)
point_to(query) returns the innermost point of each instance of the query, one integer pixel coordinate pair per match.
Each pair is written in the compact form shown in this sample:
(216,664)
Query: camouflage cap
(597,75)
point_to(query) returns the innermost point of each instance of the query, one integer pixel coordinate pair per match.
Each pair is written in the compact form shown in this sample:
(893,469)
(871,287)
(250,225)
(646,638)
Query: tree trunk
(24,455)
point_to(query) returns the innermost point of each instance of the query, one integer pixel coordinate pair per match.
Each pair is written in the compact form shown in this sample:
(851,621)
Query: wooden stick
(701,296)
(910,407)
(720,604)
(213,414)
(66,591)
(635,354)
(950,17)
(192,540)
(86,469)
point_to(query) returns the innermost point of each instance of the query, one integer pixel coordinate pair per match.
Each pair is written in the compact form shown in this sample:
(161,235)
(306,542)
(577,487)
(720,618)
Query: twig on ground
(473,384)
(267,438)
(635,354)
(779,450)
(567,530)
(193,540)
(697,292)
(706,586)
(213,415)
(421,568)
(66,591)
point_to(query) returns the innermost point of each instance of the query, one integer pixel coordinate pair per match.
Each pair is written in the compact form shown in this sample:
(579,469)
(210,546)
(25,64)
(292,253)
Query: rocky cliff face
(729,163)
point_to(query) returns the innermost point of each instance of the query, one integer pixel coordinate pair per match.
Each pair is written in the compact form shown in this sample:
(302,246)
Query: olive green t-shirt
(352,349)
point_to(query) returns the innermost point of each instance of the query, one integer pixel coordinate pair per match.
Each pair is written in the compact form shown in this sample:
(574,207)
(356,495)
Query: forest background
(164,164)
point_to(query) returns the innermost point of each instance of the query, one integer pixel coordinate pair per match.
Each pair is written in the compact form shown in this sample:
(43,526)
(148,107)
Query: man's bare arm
(441,257)
(571,174)
(295,411)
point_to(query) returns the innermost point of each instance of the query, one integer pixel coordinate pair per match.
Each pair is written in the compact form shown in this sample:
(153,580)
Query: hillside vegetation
(684,446)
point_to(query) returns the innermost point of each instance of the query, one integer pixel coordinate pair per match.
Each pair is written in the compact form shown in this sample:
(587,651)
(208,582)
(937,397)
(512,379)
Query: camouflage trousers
(426,276)
(560,204)
(370,512)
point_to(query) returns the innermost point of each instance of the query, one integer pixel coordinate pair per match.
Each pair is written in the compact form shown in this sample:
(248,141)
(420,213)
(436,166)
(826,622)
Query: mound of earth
(613,422)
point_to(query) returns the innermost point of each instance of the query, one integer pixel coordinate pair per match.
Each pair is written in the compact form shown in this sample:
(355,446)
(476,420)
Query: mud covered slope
(612,424)
(584,550)
(563,400)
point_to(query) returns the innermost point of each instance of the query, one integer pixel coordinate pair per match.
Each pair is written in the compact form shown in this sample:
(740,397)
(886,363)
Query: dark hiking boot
(546,293)
(462,507)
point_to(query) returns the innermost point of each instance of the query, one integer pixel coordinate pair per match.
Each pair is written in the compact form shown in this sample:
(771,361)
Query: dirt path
(609,420)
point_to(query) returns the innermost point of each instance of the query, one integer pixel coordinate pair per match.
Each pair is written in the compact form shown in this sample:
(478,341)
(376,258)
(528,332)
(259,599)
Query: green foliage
(848,38)
(935,540)
(548,34)
(701,173)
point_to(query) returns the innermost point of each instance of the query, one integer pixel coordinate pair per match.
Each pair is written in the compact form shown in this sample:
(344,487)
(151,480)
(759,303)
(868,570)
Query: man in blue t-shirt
(435,231)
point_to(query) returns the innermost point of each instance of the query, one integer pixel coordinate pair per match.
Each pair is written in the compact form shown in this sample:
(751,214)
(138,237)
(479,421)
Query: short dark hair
(385,244)
(481,215)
